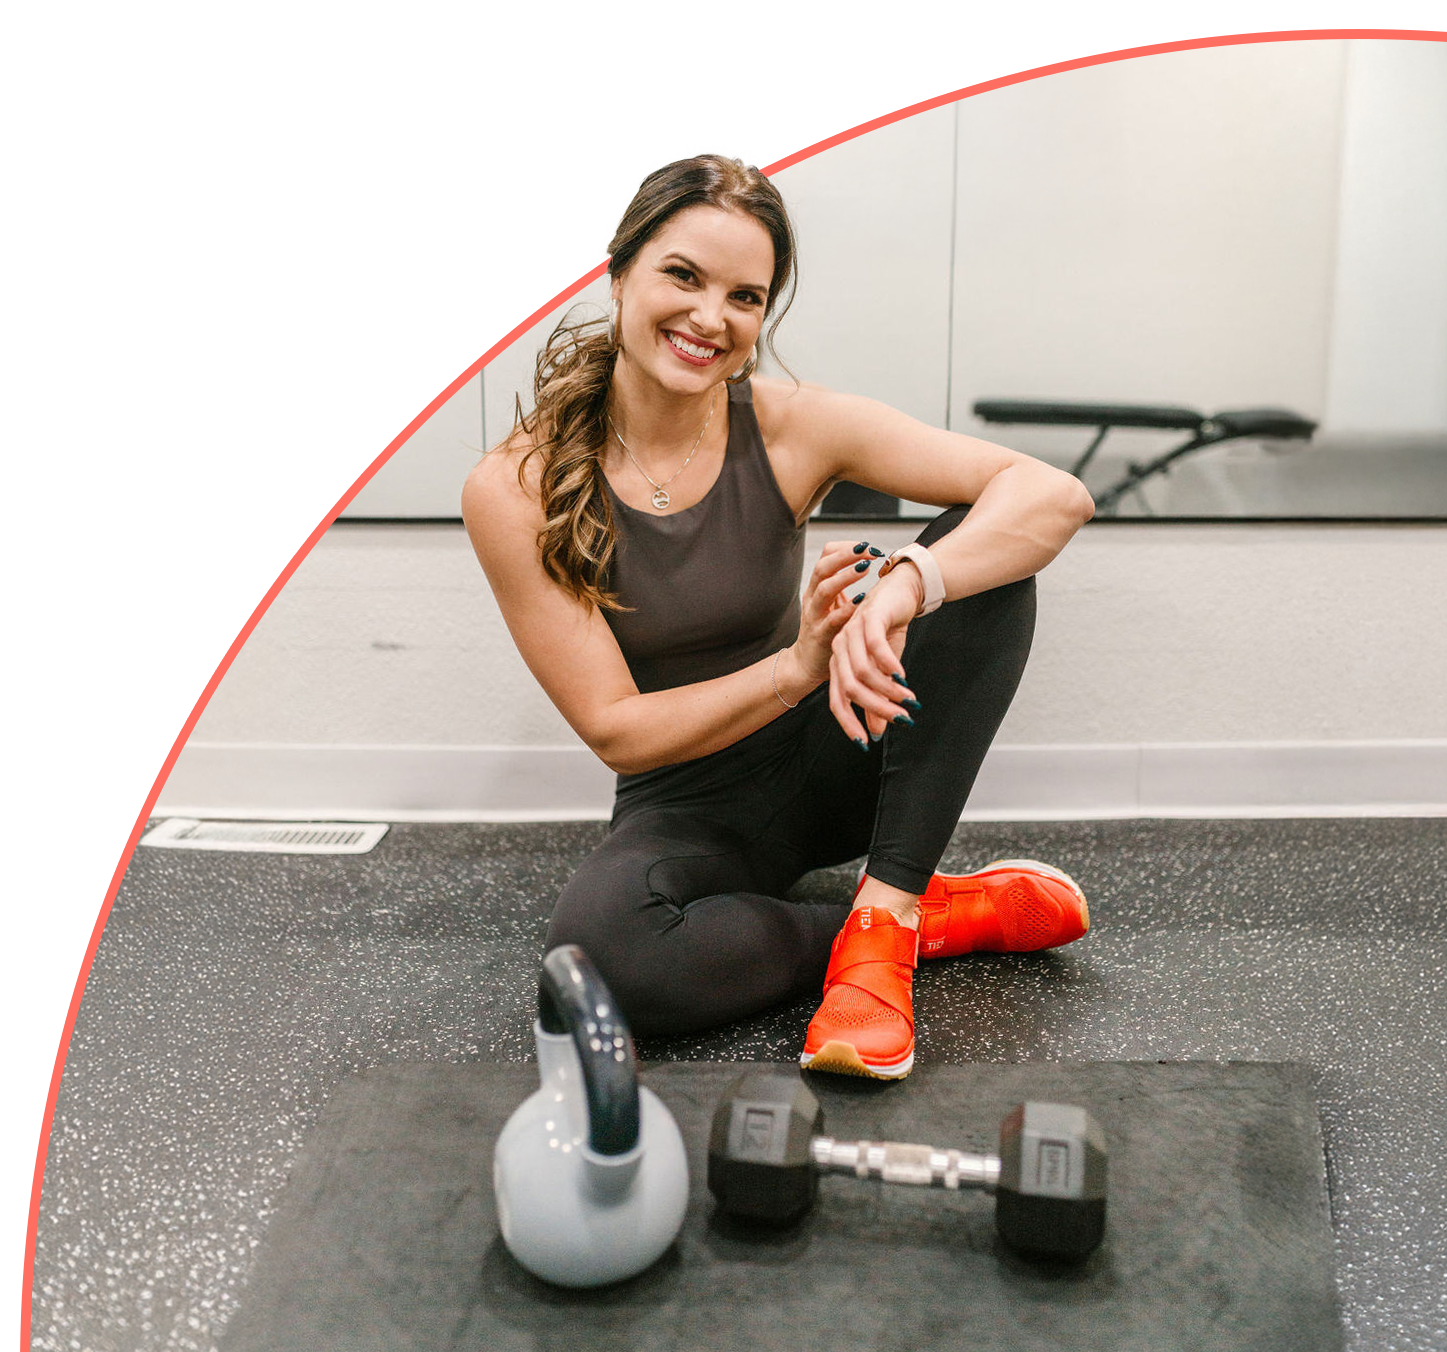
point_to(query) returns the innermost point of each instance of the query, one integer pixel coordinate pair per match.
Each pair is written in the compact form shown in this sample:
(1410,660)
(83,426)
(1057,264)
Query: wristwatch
(929,570)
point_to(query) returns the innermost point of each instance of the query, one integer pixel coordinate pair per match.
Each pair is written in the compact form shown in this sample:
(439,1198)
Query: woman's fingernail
(861,743)
(912,704)
(862,566)
(875,736)
(905,719)
(897,678)
(859,598)
(860,548)
(878,553)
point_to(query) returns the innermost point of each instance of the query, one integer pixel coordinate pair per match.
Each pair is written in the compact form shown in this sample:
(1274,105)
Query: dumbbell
(767,1149)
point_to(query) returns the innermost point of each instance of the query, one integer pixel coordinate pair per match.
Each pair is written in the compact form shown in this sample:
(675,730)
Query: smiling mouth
(697,353)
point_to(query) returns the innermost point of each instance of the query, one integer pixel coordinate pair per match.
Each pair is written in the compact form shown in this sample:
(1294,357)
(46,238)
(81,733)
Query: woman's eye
(683,274)
(749,297)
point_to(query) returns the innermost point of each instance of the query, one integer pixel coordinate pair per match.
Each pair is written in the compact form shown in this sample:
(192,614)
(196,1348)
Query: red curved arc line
(1035,73)
(225,664)
(1102,59)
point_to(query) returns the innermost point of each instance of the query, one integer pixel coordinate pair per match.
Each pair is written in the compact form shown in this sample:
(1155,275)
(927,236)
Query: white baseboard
(1017,783)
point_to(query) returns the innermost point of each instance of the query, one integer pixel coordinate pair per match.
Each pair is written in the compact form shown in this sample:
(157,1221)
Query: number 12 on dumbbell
(767,1148)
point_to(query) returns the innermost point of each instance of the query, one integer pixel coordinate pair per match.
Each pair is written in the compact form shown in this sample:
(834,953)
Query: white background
(248,245)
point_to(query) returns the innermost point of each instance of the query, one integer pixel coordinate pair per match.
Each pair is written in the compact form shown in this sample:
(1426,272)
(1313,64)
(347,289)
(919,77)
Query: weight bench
(1202,430)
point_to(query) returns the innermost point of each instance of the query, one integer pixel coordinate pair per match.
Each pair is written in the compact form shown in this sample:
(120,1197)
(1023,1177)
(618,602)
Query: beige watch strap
(929,570)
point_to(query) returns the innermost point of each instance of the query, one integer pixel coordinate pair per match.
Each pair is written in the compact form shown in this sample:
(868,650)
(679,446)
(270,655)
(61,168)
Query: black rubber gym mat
(1218,1237)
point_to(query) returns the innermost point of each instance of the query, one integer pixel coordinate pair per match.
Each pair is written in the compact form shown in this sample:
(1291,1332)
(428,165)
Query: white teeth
(682,346)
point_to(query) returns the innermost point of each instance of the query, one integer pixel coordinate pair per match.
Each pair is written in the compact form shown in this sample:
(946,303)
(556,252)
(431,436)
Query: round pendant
(661,499)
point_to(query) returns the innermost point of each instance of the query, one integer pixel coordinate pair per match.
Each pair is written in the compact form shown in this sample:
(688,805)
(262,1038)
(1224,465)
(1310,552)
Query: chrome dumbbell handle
(919,1166)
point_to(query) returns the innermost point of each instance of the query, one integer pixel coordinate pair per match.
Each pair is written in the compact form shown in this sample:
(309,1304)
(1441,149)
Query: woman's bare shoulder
(788,407)
(780,395)
(807,422)
(501,465)
(507,470)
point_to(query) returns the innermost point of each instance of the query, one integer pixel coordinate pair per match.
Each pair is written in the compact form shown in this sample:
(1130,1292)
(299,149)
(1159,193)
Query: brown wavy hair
(567,425)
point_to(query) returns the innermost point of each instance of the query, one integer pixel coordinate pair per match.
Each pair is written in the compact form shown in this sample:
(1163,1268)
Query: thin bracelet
(774,677)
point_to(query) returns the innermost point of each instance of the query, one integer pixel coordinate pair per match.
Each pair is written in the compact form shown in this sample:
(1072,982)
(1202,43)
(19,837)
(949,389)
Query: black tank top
(714,587)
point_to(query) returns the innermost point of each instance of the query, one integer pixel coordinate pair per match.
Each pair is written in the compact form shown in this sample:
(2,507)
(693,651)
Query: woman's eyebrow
(703,272)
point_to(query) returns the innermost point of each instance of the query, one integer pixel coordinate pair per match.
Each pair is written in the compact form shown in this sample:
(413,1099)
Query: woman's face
(692,301)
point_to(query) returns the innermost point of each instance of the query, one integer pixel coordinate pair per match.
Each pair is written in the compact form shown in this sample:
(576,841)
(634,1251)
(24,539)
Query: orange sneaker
(1010,906)
(865,1025)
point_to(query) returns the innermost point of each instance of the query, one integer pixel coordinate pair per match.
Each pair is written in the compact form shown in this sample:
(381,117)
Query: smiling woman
(675,319)
(709,251)
(643,531)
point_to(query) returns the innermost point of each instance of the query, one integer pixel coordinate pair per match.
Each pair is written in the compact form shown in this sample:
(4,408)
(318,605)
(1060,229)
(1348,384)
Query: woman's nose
(707,314)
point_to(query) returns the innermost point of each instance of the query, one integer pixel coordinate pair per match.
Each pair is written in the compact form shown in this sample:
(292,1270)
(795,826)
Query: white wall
(424,478)
(874,223)
(1253,224)
(1389,325)
(383,682)
(1160,229)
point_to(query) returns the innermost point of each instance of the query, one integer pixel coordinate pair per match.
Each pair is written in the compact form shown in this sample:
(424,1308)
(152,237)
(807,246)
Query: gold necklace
(660,490)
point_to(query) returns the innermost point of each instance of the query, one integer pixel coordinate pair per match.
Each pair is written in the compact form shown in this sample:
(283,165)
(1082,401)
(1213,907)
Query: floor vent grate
(189,833)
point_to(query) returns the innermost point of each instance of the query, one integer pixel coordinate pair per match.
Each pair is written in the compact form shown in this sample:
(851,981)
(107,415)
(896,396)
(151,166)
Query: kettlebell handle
(572,999)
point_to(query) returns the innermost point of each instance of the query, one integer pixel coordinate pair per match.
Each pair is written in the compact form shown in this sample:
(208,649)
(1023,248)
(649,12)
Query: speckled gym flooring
(231,992)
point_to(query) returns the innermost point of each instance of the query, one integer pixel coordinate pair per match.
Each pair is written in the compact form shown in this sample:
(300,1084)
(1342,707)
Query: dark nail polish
(859,598)
(912,704)
(905,719)
(860,548)
(878,553)
(875,736)
(862,566)
(861,743)
(897,678)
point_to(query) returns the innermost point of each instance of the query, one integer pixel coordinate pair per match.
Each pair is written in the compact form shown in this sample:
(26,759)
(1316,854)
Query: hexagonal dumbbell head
(1050,1199)
(758,1149)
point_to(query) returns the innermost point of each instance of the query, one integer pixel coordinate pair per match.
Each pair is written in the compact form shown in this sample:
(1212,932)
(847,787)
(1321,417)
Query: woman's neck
(655,419)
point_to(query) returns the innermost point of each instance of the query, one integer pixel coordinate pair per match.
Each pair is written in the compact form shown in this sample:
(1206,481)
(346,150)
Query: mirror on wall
(1212,283)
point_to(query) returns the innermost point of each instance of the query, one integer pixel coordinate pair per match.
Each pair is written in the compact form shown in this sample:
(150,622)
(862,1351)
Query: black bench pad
(1054,413)
(1241,422)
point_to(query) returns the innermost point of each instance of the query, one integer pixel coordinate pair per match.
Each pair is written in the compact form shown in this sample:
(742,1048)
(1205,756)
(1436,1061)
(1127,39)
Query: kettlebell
(589,1173)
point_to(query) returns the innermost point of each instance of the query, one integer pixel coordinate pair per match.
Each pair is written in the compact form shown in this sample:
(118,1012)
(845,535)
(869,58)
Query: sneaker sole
(843,1058)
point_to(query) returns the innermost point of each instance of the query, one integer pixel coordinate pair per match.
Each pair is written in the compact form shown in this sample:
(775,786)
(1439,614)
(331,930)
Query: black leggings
(681,907)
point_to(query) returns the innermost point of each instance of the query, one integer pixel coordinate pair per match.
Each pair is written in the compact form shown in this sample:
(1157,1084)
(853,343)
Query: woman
(643,531)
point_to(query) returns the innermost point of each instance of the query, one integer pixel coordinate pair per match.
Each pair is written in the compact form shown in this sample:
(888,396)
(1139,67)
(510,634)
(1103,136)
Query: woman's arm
(570,649)
(1023,511)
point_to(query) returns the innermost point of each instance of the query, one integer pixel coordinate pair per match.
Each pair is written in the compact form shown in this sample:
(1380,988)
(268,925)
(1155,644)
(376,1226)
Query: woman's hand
(864,665)
(828,605)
